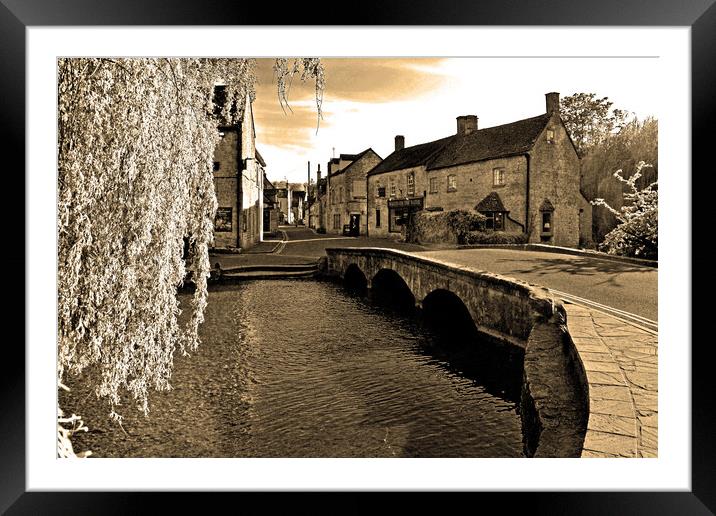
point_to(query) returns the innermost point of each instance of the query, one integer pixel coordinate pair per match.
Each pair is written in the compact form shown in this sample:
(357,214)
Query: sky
(367,101)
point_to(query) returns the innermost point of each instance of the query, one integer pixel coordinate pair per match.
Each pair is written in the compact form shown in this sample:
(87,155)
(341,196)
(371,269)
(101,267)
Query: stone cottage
(523,176)
(238,180)
(347,203)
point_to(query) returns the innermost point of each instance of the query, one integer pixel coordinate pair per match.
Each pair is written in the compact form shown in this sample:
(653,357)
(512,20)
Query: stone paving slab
(620,364)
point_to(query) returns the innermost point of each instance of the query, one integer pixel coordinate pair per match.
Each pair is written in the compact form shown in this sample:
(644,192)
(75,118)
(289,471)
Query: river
(302,368)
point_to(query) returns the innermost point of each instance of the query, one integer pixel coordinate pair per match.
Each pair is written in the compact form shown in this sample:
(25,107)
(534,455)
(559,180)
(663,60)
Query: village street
(623,286)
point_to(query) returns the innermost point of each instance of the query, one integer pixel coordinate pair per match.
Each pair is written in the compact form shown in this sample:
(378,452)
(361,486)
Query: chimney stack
(466,124)
(399,142)
(552,102)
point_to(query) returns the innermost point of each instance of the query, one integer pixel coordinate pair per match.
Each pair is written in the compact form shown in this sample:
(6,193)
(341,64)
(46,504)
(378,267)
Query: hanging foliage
(135,153)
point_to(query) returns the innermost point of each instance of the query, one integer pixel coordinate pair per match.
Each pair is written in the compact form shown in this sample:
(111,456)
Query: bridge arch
(354,279)
(388,287)
(443,306)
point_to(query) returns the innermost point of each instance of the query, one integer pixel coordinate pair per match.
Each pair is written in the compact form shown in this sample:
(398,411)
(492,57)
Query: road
(623,286)
(620,289)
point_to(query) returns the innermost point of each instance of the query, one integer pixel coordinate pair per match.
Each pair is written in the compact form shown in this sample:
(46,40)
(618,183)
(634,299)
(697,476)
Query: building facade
(346,197)
(523,176)
(238,181)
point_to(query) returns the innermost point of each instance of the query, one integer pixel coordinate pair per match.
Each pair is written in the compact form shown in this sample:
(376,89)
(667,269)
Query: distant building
(291,197)
(346,192)
(238,180)
(523,176)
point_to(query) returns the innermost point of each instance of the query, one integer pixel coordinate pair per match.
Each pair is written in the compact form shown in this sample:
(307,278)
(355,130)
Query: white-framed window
(451,183)
(411,184)
(498,176)
(550,135)
(433,185)
(392,187)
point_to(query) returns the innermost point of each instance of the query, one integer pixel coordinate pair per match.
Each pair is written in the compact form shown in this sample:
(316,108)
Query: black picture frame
(17,15)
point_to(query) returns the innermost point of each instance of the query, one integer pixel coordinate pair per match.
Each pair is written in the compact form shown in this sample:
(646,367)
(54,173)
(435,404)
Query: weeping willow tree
(136,139)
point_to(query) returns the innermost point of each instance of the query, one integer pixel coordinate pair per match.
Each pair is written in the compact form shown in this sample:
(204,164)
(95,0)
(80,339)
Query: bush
(495,237)
(462,222)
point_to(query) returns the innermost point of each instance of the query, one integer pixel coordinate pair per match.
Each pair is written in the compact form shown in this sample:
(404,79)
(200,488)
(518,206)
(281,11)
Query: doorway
(354,225)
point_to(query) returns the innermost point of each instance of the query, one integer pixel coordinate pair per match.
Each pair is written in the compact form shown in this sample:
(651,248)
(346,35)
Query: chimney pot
(552,101)
(466,124)
(399,142)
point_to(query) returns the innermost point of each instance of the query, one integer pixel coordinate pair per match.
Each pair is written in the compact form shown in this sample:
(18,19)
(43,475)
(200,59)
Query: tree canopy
(590,119)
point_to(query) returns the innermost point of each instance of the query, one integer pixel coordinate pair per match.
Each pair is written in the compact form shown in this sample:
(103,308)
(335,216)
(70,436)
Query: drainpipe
(367,208)
(527,195)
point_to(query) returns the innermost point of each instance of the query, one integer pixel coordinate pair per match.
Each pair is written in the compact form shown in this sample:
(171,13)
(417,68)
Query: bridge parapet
(501,307)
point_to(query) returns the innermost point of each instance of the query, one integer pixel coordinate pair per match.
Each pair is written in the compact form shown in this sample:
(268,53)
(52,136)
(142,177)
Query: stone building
(271,207)
(238,180)
(346,193)
(524,176)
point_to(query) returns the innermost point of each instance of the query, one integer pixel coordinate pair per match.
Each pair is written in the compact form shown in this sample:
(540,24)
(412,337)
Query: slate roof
(489,143)
(491,203)
(410,156)
(356,158)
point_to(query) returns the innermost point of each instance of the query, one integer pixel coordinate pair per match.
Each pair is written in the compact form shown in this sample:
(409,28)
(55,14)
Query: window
(377,218)
(395,219)
(550,135)
(337,221)
(381,191)
(392,187)
(495,220)
(340,194)
(433,185)
(546,222)
(358,188)
(498,176)
(411,184)
(216,166)
(452,183)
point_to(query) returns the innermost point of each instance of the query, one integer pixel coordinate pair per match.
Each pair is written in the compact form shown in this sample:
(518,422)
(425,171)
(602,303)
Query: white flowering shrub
(637,233)
(135,153)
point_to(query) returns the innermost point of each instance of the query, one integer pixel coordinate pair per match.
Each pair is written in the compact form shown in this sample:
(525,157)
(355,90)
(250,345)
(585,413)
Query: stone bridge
(500,307)
(554,405)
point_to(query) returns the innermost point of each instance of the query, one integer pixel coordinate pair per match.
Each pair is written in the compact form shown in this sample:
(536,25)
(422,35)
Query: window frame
(498,176)
(433,185)
(452,177)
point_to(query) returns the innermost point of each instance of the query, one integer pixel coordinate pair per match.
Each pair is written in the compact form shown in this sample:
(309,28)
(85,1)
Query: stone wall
(399,179)
(554,175)
(475,182)
(352,184)
(226,186)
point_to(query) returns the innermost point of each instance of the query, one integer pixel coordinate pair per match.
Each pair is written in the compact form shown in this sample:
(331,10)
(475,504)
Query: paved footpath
(620,361)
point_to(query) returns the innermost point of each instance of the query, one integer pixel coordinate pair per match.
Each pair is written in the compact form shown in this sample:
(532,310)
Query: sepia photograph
(299,257)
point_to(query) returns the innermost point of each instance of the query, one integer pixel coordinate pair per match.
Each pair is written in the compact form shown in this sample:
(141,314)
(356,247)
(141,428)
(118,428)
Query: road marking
(314,239)
(640,322)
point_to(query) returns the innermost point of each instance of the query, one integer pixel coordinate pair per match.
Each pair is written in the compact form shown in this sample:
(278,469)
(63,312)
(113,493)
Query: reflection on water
(304,369)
